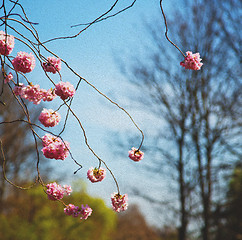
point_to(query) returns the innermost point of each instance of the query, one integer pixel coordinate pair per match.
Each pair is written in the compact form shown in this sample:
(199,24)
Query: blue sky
(93,55)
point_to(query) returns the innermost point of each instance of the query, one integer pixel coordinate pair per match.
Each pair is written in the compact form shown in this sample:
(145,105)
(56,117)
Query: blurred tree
(131,225)
(228,215)
(18,148)
(34,217)
(200,110)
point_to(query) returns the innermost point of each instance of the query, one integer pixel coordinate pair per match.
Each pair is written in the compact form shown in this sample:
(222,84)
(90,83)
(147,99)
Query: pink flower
(18,89)
(48,95)
(53,65)
(135,154)
(6,47)
(96,174)
(54,147)
(54,191)
(33,93)
(49,117)
(72,210)
(119,202)
(192,61)
(85,212)
(24,62)
(67,189)
(57,192)
(8,78)
(64,90)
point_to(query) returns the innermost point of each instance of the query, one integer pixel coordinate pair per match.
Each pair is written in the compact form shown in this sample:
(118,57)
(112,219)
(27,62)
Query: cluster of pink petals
(57,192)
(67,189)
(53,65)
(135,154)
(64,90)
(192,61)
(72,210)
(34,93)
(6,47)
(48,95)
(75,211)
(24,62)
(96,174)
(119,202)
(8,78)
(49,117)
(85,212)
(54,147)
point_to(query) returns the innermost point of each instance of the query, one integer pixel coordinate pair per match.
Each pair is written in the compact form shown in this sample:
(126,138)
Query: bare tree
(200,109)
(19,151)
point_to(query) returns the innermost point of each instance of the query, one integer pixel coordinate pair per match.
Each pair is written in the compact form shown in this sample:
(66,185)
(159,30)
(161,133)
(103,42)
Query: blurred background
(189,184)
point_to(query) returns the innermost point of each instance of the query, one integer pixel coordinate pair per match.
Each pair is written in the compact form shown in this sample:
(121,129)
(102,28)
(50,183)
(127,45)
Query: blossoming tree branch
(14,68)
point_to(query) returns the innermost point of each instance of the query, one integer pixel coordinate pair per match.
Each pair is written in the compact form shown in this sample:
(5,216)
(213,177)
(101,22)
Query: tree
(131,225)
(18,150)
(42,220)
(228,215)
(200,137)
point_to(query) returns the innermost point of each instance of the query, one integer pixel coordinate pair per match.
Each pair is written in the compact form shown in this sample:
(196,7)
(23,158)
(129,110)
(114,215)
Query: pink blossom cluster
(49,117)
(96,174)
(48,95)
(53,65)
(192,61)
(72,210)
(85,212)
(24,62)
(6,47)
(34,93)
(75,211)
(64,90)
(67,189)
(135,154)
(119,202)
(8,78)
(57,192)
(54,147)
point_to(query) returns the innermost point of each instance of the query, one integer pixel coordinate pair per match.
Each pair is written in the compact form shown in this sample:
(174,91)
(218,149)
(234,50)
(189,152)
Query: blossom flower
(192,61)
(33,93)
(64,90)
(8,78)
(135,154)
(72,210)
(52,65)
(57,192)
(54,147)
(67,189)
(96,174)
(24,62)
(85,212)
(18,89)
(119,202)
(48,95)
(49,117)
(54,191)
(6,47)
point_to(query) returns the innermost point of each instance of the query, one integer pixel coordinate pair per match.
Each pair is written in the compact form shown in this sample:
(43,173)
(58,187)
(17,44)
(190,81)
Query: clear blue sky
(92,55)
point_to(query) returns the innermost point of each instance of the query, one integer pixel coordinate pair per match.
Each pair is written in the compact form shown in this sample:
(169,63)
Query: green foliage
(30,215)
(234,209)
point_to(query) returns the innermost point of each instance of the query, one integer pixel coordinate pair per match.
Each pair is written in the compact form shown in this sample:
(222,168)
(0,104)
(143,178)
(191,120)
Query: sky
(94,54)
